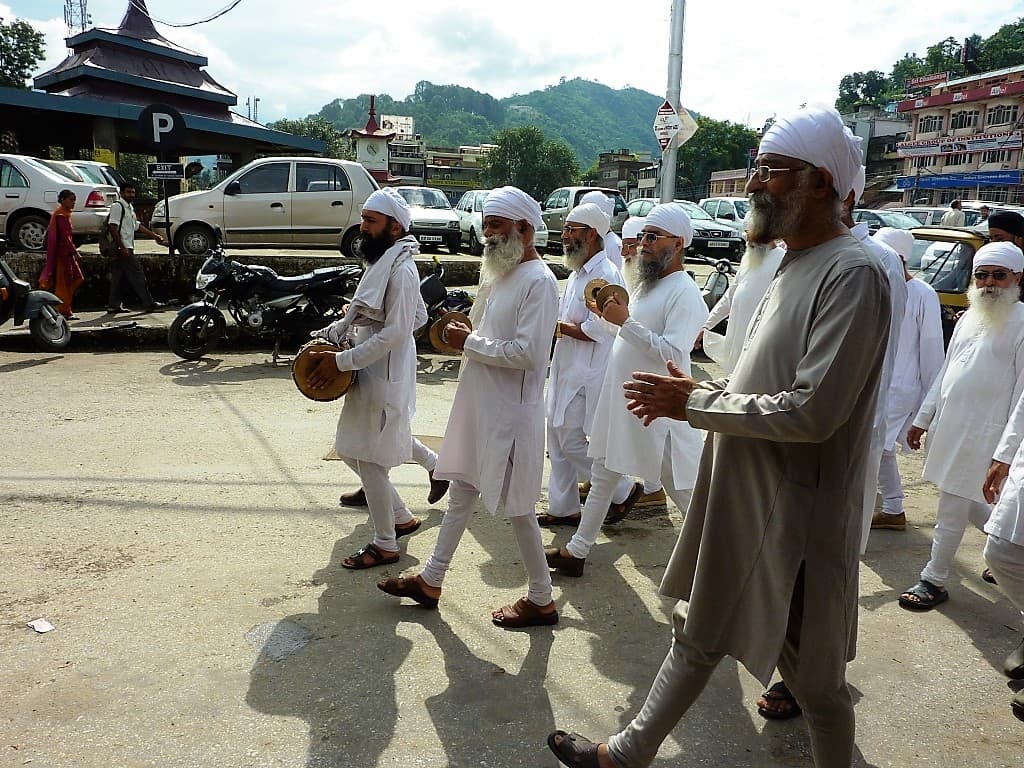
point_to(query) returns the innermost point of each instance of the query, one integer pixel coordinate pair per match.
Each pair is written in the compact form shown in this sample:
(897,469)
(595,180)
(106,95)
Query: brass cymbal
(608,292)
(436,333)
(591,290)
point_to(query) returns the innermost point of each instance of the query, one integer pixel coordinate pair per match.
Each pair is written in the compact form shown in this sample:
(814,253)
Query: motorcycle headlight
(203,279)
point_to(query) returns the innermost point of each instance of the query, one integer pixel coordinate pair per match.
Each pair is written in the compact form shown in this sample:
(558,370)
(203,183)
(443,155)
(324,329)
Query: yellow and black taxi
(943,258)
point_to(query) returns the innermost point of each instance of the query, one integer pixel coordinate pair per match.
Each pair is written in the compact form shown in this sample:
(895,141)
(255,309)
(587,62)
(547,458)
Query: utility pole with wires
(76,16)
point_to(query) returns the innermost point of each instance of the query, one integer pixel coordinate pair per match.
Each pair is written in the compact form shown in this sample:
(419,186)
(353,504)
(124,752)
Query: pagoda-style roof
(136,64)
(372,130)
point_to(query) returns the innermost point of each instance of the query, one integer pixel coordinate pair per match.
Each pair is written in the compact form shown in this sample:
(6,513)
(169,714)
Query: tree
(944,56)
(320,128)
(862,88)
(21,49)
(524,158)
(911,65)
(718,145)
(1005,48)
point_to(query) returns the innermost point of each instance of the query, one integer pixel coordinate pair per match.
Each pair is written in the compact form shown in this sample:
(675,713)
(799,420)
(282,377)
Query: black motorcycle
(440,299)
(48,327)
(261,302)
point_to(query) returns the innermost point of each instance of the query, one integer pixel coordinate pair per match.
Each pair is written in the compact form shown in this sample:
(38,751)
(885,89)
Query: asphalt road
(178,525)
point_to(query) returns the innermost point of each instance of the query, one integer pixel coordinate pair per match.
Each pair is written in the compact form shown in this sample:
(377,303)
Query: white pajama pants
(890,486)
(951,520)
(567,452)
(462,503)
(423,456)
(602,484)
(1006,560)
(386,506)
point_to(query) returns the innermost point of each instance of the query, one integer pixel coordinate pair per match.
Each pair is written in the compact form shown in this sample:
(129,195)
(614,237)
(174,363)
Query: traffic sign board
(161,128)
(166,171)
(669,124)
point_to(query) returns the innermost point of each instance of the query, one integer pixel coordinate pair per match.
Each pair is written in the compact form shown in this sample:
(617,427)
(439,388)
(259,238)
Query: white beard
(501,255)
(755,255)
(629,273)
(991,307)
(575,258)
(647,272)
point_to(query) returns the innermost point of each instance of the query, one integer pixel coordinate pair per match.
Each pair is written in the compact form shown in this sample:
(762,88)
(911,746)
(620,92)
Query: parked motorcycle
(260,301)
(440,299)
(48,327)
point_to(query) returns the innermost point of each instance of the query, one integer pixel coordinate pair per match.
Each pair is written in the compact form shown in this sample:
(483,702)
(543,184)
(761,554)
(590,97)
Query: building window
(924,162)
(1001,115)
(996,156)
(963,119)
(960,158)
(930,124)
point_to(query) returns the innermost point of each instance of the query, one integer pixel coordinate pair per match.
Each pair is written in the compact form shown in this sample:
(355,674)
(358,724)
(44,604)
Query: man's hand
(994,478)
(615,311)
(456,333)
(698,343)
(651,395)
(326,370)
(914,435)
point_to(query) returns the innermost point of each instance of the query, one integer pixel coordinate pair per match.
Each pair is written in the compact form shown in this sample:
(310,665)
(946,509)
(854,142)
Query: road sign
(165,171)
(669,124)
(161,128)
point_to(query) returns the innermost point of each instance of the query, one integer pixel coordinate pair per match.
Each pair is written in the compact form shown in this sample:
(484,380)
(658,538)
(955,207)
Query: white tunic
(497,415)
(1007,519)
(375,422)
(580,365)
(738,303)
(662,326)
(969,404)
(918,360)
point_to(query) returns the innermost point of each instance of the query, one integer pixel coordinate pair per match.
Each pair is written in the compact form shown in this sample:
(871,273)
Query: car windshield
(944,266)
(897,220)
(742,207)
(69,173)
(422,197)
(694,211)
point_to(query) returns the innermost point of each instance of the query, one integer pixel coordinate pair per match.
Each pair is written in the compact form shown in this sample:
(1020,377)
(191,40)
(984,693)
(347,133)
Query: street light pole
(675,75)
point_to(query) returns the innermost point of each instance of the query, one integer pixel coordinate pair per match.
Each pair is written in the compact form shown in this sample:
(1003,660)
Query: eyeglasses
(764,173)
(650,237)
(568,228)
(984,274)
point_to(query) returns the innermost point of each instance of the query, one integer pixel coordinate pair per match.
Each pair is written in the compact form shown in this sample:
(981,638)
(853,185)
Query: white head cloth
(1006,255)
(592,216)
(631,228)
(390,203)
(900,240)
(672,218)
(612,243)
(859,182)
(816,135)
(512,203)
(601,200)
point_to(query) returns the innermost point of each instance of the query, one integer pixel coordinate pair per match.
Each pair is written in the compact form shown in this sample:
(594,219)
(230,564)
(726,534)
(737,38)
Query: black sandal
(986,575)
(356,562)
(573,750)
(928,596)
(780,693)
(548,521)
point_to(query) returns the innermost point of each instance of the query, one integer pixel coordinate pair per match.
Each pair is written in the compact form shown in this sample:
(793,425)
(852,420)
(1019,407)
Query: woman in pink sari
(62,273)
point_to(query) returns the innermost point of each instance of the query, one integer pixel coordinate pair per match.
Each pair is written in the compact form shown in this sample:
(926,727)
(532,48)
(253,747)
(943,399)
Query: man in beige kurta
(766,566)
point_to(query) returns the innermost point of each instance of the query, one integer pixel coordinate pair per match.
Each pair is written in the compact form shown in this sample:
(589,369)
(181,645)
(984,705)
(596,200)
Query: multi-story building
(965,140)
(455,170)
(730,183)
(618,170)
(881,131)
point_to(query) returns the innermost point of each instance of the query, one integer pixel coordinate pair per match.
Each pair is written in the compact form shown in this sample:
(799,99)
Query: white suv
(470,211)
(731,211)
(273,201)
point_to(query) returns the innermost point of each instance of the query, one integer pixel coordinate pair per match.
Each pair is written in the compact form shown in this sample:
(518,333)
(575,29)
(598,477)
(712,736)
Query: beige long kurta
(781,479)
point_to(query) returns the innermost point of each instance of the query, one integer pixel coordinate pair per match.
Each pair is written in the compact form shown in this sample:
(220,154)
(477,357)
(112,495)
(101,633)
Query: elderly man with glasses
(967,408)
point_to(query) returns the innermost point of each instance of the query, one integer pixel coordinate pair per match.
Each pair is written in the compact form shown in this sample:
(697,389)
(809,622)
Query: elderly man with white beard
(766,566)
(580,358)
(967,409)
(659,324)
(493,447)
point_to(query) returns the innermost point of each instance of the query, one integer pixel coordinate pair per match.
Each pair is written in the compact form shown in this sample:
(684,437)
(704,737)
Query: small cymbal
(591,290)
(437,337)
(608,292)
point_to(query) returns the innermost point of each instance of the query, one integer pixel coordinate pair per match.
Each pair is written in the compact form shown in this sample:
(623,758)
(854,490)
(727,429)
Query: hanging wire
(229,7)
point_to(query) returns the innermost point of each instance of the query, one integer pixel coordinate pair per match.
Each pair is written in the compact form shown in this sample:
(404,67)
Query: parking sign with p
(161,128)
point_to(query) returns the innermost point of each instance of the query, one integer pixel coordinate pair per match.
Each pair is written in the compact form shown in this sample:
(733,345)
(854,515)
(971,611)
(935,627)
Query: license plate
(718,243)
(429,238)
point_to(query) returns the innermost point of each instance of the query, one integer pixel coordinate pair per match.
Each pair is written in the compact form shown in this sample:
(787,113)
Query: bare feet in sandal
(370,556)
(413,587)
(577,751)
(777,703)
(524,613)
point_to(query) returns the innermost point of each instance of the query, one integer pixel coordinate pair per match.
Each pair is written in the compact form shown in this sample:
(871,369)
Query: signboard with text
(165,171)
(669,124)
(926,81)
(982,142)
(958,180)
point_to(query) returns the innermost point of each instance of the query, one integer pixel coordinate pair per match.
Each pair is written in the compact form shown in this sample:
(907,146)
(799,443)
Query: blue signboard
(957,180)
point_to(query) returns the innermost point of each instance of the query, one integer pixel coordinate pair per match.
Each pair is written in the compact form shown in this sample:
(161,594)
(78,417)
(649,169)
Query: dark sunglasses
(984,274)
(650,237)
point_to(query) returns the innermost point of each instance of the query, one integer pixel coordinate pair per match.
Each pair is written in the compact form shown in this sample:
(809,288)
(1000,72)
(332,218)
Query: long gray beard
(755,255)
(630,272)
(501,255)
(771,218)
(648,271)
(575,258)
(992,307)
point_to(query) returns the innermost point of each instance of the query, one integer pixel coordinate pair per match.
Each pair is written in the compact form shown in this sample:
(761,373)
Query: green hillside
(589,117)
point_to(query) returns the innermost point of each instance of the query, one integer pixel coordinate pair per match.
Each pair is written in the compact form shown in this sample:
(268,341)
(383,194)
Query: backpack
(108,245)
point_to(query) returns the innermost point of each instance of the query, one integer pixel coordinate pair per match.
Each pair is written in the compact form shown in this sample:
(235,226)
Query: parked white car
(731,211)
(101,173)
(28,196)
(470,211)
(434,223)
(274,201)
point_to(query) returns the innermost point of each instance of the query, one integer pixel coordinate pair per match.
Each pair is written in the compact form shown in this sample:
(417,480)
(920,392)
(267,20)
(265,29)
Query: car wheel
(195,239)
(475,246)
(29,232)
(346,243)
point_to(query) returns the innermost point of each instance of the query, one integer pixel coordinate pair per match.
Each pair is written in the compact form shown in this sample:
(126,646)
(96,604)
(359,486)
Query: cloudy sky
(742,61)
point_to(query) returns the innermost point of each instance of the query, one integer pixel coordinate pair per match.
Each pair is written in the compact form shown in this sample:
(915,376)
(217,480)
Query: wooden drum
(304,364)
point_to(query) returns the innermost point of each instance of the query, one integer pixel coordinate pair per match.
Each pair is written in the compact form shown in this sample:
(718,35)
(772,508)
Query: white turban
(512,203)
(1006,255)
(900,240)
(672,218)
(390,203)
(601,200)
(859,182)
(631,228)
(816,135)
(592,216)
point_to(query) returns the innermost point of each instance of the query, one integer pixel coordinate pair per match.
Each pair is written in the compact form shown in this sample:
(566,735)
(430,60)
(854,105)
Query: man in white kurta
(738,304)
(919,359)
(1004,549)
(584,341)
(493,447)
(967,409)
(659,324)
(374,430)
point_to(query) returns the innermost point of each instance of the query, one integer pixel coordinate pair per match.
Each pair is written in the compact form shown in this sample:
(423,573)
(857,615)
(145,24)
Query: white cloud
(741,62)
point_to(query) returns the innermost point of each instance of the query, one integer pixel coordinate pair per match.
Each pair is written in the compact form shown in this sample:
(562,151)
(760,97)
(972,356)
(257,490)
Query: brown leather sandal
(523,613)
(357,561)
(568,566)
(574,750)
(407,586)
(411,527)
(548,521)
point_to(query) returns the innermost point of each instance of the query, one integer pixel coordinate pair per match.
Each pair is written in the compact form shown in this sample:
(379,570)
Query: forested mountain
(589,117)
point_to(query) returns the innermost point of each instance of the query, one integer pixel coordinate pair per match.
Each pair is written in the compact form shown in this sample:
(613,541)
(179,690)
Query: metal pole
(675,75)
